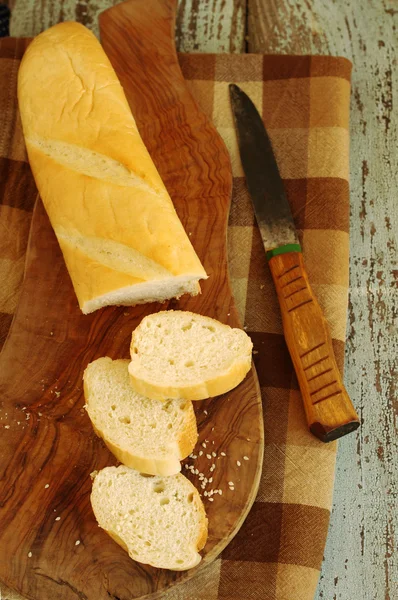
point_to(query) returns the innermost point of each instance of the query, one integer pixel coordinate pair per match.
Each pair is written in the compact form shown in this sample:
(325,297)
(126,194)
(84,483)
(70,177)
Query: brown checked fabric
(304,102)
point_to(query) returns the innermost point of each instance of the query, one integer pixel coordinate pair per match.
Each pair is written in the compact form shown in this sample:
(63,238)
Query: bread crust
(113,217)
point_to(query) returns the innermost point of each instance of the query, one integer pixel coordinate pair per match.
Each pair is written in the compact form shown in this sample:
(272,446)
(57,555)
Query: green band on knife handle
(283,250)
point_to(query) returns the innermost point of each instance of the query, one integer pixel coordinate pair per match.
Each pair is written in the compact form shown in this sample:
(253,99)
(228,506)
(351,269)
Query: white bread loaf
(144,434)
(121,238)
(179,354)
(159,521)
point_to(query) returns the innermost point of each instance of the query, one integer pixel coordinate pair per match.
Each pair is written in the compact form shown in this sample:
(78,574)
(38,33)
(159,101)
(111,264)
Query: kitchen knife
(329,410)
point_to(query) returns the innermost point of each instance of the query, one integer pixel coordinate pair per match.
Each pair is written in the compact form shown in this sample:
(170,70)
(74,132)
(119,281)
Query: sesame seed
(238,463)
(196,471)
(29,555)
(200,452)
(6,427)
(205,493)
(214,454)
(212,428)
(186,466)
(77,542)
(231,483)
(47,486)
(205,411)
(232,488)
(223,454)
(211,499)
(204,445)
(220,492)
(245,458)
(208,456)
(248,439)
(211,492)
(58,518)
(211,480)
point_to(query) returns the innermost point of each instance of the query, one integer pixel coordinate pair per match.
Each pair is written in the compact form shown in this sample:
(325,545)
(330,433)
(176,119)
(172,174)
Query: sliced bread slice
(144,434)
(159,521)
(180,354)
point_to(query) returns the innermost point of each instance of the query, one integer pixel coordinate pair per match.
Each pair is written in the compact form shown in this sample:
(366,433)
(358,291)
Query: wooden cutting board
(50,544)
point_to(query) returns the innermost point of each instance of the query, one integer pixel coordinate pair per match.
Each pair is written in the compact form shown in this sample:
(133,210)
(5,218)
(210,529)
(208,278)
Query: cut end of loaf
(153,291)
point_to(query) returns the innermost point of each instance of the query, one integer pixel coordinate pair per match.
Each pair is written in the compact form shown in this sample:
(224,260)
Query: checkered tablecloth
(304,102)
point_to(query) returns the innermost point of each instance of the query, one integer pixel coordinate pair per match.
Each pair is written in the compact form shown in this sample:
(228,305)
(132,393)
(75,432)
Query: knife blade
(329,410)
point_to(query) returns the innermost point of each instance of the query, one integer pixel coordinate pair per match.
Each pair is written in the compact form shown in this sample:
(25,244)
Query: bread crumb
(245,458)
(248,439)
(77,542)
(57,518)
(238,463)
(262,286)
(57,394)
(46,486)
(6,427)
(29,555)
(205,411)
(255,351)
(51,333)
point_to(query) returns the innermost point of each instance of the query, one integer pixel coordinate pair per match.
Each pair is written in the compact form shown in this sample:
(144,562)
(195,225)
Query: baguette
(120,235)
(159,521)
(144,434)
(179,354)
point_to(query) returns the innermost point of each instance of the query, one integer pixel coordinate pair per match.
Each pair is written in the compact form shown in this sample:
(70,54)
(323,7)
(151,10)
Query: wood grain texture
(50,545)
(328,408)
(360,559)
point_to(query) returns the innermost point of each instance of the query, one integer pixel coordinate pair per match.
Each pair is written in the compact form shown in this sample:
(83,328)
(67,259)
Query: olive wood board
(50,544)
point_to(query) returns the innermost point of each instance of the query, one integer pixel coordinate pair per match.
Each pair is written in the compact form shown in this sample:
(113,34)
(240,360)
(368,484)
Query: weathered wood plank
(359,562)
(202,25)
(211,25)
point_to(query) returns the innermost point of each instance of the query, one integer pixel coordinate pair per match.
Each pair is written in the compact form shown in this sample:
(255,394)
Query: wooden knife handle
(329,410)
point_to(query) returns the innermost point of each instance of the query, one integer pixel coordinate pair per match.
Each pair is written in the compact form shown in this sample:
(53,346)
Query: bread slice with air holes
(180,354)
(159,521)
(144,434)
